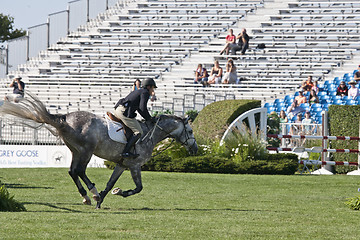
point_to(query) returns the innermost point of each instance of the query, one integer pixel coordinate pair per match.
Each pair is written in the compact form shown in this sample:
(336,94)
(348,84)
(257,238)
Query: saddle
(128,132)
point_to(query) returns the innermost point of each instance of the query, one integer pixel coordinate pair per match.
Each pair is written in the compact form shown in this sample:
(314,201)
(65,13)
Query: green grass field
(182,206)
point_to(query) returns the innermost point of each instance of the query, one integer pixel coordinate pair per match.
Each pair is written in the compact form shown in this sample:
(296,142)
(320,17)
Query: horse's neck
(155,135)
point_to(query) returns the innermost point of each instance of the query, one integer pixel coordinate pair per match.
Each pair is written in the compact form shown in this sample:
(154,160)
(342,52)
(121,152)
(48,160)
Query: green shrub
(213,120)
(192,114)
(8,203)
(353,203)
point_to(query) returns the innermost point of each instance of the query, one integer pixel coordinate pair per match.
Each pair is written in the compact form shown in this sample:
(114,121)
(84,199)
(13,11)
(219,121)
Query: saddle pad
(115,130)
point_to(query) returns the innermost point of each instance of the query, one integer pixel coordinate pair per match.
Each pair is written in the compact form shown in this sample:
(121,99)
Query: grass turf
(182,206)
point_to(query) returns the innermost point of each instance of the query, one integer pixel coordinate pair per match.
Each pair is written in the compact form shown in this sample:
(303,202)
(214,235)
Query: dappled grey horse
(86,134)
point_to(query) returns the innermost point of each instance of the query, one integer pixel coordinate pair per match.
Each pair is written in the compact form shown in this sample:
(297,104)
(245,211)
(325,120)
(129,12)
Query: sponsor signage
(33,156)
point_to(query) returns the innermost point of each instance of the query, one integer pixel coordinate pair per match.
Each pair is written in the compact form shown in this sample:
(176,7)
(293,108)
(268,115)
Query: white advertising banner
(34,156)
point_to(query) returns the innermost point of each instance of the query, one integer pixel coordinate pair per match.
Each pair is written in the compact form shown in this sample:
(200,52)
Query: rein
(168,134)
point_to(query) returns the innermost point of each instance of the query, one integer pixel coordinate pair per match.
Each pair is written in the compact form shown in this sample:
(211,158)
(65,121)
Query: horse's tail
(31,108)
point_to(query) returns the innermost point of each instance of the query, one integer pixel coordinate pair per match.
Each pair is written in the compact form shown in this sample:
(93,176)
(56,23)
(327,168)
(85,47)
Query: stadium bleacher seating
(92,68)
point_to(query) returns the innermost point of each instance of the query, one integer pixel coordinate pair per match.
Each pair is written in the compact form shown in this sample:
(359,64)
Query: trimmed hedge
(212,121)
(344,121)
(284,164)
(274,164)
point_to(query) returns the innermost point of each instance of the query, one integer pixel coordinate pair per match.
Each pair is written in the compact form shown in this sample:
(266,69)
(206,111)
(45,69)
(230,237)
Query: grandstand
(93,67)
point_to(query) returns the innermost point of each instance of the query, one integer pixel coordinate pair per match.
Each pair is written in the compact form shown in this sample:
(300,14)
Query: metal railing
(59,24)
(298,129)
(19,132)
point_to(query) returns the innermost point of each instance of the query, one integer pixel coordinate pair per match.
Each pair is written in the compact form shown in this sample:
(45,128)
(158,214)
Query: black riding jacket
(136,101)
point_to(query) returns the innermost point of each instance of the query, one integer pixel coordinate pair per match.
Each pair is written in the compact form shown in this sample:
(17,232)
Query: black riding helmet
(149,82)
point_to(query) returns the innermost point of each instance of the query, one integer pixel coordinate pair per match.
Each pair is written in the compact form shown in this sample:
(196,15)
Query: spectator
(357,75)
(295,129)
(315,87)
(201,75)
(307,85)
(136,85)
(308,126)
(230,77)
(301,98)
(294,109)
(283,119)
(243,43)
(230,42)
(18,91)
(313,98)
(307,129)
(353,92)
(215,74)
(342,89)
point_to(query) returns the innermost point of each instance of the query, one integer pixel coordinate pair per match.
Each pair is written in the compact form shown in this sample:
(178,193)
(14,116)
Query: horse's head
(181,131)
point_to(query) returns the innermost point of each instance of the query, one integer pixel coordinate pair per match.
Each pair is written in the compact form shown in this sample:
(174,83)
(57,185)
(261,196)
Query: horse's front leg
(110,184)
(136,176)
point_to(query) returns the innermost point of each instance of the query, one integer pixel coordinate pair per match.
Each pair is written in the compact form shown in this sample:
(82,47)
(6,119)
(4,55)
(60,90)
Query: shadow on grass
(196,209)
(54,206)
(23,186)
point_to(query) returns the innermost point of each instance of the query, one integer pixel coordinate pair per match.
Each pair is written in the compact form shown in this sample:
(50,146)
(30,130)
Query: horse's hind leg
(136,176)
(77,169)
(110,184)
(73,172)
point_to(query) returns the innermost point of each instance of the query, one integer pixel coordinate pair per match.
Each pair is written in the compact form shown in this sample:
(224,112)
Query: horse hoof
(117,191)
(97,198)
(86,200)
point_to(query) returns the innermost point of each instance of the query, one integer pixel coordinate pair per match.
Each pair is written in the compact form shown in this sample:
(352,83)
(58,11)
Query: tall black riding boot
(126,153)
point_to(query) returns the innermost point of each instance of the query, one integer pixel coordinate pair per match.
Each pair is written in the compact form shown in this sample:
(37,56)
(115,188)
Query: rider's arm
(144,98)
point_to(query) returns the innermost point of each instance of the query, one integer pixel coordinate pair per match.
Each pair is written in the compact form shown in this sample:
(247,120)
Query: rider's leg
(134,125)
(131,142)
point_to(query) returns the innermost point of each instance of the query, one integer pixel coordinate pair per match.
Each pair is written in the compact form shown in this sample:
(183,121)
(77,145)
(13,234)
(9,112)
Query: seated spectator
(243,43)
(136,85)
(357,75)
(230,77)
(342,89)
(201,75)
(215,74)
(230,42)
(315,87)
(296,130)
(308,129)
(18,90)
(301,98)
(353,92)
(307,85)
(313,98)
(294,109)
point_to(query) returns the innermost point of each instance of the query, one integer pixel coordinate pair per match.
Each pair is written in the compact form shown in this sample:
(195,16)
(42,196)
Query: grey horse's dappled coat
(85,134)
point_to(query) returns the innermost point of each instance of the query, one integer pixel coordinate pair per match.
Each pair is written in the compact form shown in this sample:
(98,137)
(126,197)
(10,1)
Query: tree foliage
(7,30)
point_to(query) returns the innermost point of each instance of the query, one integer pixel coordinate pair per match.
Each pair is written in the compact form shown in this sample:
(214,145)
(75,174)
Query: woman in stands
(230,42)
(230,76)
(201,75)
(215,74)
(313,98)
(353,91)
(136,85)
(342,89)
(307,85)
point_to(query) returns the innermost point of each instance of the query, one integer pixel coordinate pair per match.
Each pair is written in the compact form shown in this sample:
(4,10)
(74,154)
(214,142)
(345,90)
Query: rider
(125,110)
